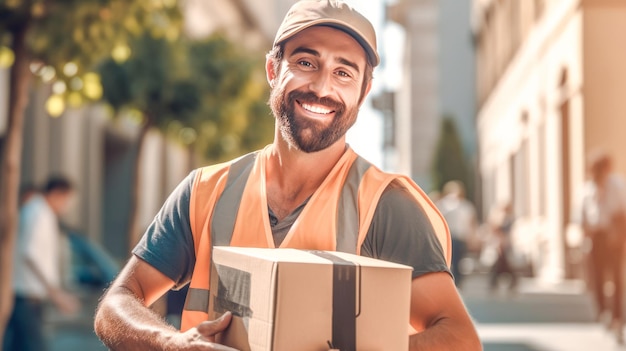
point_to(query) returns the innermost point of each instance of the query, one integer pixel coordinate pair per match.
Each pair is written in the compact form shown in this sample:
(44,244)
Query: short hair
(58,183)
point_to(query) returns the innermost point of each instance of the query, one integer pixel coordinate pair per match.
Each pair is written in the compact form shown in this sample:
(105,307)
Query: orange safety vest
(228,207)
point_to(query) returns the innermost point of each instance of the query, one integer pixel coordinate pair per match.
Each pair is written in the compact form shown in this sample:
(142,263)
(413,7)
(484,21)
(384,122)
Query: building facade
(550,76)
(439,69)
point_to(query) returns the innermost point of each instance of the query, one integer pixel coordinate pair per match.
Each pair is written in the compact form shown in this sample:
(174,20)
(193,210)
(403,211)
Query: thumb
(210,328)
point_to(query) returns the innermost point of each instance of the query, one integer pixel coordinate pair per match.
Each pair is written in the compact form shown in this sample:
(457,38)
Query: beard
(306,134)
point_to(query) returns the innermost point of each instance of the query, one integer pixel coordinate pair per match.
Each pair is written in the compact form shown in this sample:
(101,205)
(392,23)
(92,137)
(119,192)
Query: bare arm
(439,316)
(123,320)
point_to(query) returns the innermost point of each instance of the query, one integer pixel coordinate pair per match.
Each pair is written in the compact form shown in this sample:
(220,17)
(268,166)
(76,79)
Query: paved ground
(536,318)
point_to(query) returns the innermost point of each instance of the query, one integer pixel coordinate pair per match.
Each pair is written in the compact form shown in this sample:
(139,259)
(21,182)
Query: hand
(202,337)
(67,303)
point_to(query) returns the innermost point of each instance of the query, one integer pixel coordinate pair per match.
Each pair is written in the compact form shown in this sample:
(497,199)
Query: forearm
(440,317)
(123,322)
(446,335)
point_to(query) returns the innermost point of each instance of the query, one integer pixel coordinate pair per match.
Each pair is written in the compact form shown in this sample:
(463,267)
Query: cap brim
(373,57)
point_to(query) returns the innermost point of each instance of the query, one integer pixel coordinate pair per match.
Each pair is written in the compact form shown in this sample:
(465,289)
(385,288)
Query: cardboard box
(297,300)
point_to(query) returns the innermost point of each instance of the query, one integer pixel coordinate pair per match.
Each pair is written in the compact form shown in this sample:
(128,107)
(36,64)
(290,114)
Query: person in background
(37,267)
(461,217)
(603,223)
(27,192)
(307,190)
(502,225)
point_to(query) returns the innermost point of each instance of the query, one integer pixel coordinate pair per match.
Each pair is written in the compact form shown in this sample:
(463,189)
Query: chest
(282,204)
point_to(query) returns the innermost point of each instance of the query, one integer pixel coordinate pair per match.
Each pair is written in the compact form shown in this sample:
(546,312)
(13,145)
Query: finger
(210,328)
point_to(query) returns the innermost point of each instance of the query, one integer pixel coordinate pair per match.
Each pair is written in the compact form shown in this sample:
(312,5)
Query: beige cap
(334,13)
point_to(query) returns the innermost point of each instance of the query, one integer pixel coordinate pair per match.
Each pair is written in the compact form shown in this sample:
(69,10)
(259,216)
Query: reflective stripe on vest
(235,213)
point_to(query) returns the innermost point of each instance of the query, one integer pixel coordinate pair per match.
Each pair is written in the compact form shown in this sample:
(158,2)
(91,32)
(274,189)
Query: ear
(269,71)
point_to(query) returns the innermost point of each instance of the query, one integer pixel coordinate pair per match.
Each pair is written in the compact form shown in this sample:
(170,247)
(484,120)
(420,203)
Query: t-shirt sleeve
(401,232)
(167,244)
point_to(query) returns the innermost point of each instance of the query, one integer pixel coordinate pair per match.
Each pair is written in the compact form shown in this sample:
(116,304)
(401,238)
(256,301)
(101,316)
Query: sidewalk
(539,317)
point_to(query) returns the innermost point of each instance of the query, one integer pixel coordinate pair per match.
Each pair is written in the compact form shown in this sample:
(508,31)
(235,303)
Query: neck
(292,175)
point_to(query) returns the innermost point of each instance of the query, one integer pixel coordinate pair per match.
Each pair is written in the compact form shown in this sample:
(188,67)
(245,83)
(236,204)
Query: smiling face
(316,88)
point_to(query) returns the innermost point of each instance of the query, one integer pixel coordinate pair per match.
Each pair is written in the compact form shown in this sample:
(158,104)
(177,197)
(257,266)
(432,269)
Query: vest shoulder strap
(227,206)
(207,188)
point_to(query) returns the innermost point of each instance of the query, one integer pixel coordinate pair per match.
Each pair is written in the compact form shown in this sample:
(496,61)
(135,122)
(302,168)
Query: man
(603,216)
(306,190)
(37,267)
(461,218)
(501,223)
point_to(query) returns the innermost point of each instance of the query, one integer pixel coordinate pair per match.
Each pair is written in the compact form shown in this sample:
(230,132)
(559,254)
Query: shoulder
(402,232)
(396,192)
(397,203)
(209,175)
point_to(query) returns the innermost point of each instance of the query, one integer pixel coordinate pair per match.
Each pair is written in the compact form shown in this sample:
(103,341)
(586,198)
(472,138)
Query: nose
(322,83)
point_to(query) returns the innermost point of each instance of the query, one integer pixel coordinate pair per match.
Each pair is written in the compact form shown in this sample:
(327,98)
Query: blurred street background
(505,96)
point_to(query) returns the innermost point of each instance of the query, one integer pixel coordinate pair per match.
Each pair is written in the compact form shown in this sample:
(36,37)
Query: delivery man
(307,190)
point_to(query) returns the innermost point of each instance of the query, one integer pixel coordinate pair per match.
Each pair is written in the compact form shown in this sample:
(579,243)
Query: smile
(316,108)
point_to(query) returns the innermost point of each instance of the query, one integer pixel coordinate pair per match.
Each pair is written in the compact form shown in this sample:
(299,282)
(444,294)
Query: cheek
(288,78)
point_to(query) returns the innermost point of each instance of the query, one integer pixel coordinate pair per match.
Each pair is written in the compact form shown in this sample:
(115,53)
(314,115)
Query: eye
(305,63)
(344,74)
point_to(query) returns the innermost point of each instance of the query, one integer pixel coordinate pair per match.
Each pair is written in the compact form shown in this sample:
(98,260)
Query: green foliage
(207,88)
(82,32)
(235,118)
(150,82)
(450,162)
(115,81)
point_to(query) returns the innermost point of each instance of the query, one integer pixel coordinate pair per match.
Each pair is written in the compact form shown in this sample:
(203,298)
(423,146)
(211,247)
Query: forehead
(328,41)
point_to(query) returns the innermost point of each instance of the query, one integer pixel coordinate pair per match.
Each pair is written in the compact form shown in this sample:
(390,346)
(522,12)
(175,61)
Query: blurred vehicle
(91,265)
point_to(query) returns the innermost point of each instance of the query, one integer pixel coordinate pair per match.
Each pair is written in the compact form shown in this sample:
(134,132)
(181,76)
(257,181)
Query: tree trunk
(135,190)
(10,170)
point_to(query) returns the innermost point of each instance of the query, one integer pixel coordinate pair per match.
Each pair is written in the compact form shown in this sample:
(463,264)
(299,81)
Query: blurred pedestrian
(603,222)
(461,217)
(501,225)
(37,267)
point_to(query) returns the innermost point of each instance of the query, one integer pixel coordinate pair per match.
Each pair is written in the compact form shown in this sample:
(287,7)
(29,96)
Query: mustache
(311,98)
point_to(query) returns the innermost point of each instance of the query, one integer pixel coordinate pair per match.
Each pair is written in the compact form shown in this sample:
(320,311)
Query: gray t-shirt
(400,232)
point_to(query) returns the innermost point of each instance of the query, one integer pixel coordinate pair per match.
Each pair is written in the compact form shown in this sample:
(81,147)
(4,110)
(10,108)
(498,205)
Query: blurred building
(550,80)
(438,81)
(251,23)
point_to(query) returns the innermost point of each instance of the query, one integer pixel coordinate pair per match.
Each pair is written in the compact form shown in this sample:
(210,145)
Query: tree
(59,40)
(203,91)
(234,117)
(150,83)
(450,162)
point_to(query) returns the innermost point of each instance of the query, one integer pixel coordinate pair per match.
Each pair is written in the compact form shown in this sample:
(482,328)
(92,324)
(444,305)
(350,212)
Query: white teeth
(316,109)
